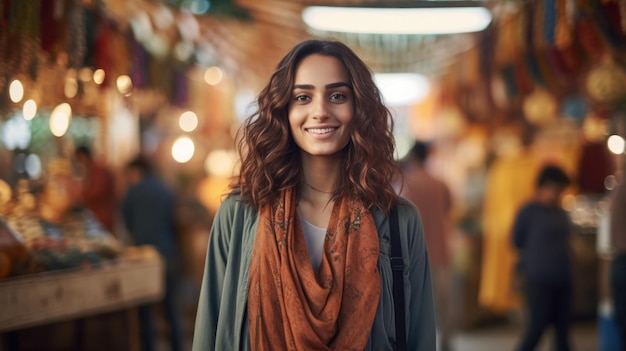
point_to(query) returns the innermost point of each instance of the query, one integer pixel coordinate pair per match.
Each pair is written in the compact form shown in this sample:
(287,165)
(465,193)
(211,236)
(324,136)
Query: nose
(320,110)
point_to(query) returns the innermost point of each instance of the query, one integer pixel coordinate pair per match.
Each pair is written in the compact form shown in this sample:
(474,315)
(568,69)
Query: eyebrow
(328,86)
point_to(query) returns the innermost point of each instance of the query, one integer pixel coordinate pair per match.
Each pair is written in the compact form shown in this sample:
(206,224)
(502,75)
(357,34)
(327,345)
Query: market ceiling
(249,36)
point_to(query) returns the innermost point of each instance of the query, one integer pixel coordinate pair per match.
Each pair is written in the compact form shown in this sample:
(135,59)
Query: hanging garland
(549,21)
(4,39)
(76,44)
(607,15)
(19,37)
(590,40)
(622,12)
(522,75)
(563,35)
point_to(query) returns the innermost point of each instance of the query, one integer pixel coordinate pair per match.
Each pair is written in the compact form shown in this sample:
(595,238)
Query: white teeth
(320,130)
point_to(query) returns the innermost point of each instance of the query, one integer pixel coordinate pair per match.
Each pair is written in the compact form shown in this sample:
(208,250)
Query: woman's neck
(320,177)
(320,174)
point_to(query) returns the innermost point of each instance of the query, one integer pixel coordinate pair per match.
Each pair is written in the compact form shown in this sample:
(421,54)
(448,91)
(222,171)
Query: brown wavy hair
(270,158)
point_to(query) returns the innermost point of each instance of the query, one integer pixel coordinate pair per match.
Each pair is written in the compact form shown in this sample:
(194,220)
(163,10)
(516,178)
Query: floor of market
(495,336)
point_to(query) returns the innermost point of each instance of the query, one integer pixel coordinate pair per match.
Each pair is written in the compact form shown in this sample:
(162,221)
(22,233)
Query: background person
(541,233)
(432,198)
(148,211)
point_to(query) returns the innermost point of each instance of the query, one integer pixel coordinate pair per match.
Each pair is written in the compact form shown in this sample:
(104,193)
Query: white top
(314,237)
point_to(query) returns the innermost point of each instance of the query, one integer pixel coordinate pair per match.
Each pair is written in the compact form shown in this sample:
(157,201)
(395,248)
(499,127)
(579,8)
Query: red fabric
(98,194)
(432,198)
(594,167)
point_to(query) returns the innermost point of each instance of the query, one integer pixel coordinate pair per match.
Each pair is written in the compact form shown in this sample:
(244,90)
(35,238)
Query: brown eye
(337,97)
(301,98)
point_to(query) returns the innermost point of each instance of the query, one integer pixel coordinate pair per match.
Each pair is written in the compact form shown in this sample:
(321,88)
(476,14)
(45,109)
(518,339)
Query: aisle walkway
(502,336)
(584,337)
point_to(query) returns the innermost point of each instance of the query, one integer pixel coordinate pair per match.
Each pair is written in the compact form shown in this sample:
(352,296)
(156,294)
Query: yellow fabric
(510,183)
(290,306)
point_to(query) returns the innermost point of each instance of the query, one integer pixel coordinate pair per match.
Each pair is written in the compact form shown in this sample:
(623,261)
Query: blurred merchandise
(47,232)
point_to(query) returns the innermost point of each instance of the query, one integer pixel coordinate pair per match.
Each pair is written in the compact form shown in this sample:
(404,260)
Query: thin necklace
(318,190)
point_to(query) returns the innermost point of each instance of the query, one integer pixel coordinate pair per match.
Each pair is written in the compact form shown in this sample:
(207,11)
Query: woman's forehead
(320,70)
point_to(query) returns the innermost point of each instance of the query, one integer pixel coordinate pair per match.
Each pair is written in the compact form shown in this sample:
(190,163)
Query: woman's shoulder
(407,211)
(409,217)
(234,206)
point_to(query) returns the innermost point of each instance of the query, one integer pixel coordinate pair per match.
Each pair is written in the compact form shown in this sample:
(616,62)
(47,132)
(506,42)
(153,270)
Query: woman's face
(322,106)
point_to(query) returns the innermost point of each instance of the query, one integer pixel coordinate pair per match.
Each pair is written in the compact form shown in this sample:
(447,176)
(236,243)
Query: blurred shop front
(545,82)
(546,85)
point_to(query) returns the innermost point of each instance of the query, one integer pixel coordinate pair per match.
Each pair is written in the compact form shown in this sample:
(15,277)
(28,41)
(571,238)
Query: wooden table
(55,297)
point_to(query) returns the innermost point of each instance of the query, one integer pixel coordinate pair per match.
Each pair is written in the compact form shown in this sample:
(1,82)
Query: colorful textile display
(510,183)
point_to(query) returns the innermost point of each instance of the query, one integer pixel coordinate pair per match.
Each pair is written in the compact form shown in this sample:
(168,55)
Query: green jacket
(222,322)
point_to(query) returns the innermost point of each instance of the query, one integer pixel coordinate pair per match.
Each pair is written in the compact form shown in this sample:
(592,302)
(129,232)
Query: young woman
(299,254)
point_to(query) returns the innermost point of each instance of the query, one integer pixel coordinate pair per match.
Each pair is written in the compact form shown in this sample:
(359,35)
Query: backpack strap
(397,266)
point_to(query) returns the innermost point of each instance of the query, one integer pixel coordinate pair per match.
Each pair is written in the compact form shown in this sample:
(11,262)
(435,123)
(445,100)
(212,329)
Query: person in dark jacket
(541,234)
(148,212)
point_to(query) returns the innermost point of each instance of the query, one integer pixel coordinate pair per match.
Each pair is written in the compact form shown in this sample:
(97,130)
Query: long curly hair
(270,158)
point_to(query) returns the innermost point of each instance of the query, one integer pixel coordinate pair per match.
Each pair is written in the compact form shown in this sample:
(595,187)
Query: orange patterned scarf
(290,306)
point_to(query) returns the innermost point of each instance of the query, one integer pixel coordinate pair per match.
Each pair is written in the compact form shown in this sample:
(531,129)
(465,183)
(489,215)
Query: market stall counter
(81,308)
(66,283)
(43,298)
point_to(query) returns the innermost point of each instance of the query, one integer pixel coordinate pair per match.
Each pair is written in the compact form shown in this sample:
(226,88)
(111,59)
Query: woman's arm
(213,279)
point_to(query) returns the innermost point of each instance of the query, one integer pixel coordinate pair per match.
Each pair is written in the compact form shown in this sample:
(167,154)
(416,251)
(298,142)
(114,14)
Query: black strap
(397,265)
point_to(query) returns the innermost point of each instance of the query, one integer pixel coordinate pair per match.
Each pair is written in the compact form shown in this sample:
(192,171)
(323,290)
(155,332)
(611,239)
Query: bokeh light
(60,119)
(33,166)
(213,75)
(188,121)
(98,76)
(124,84)
(220,163)
(71,87)
(29,110)
(568,202)
(16,91)
(183,149)
(85,74)
(15,133)
(610,182)
(616,144)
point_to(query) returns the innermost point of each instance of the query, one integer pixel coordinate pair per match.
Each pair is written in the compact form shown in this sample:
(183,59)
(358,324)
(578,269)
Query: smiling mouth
(321,131)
